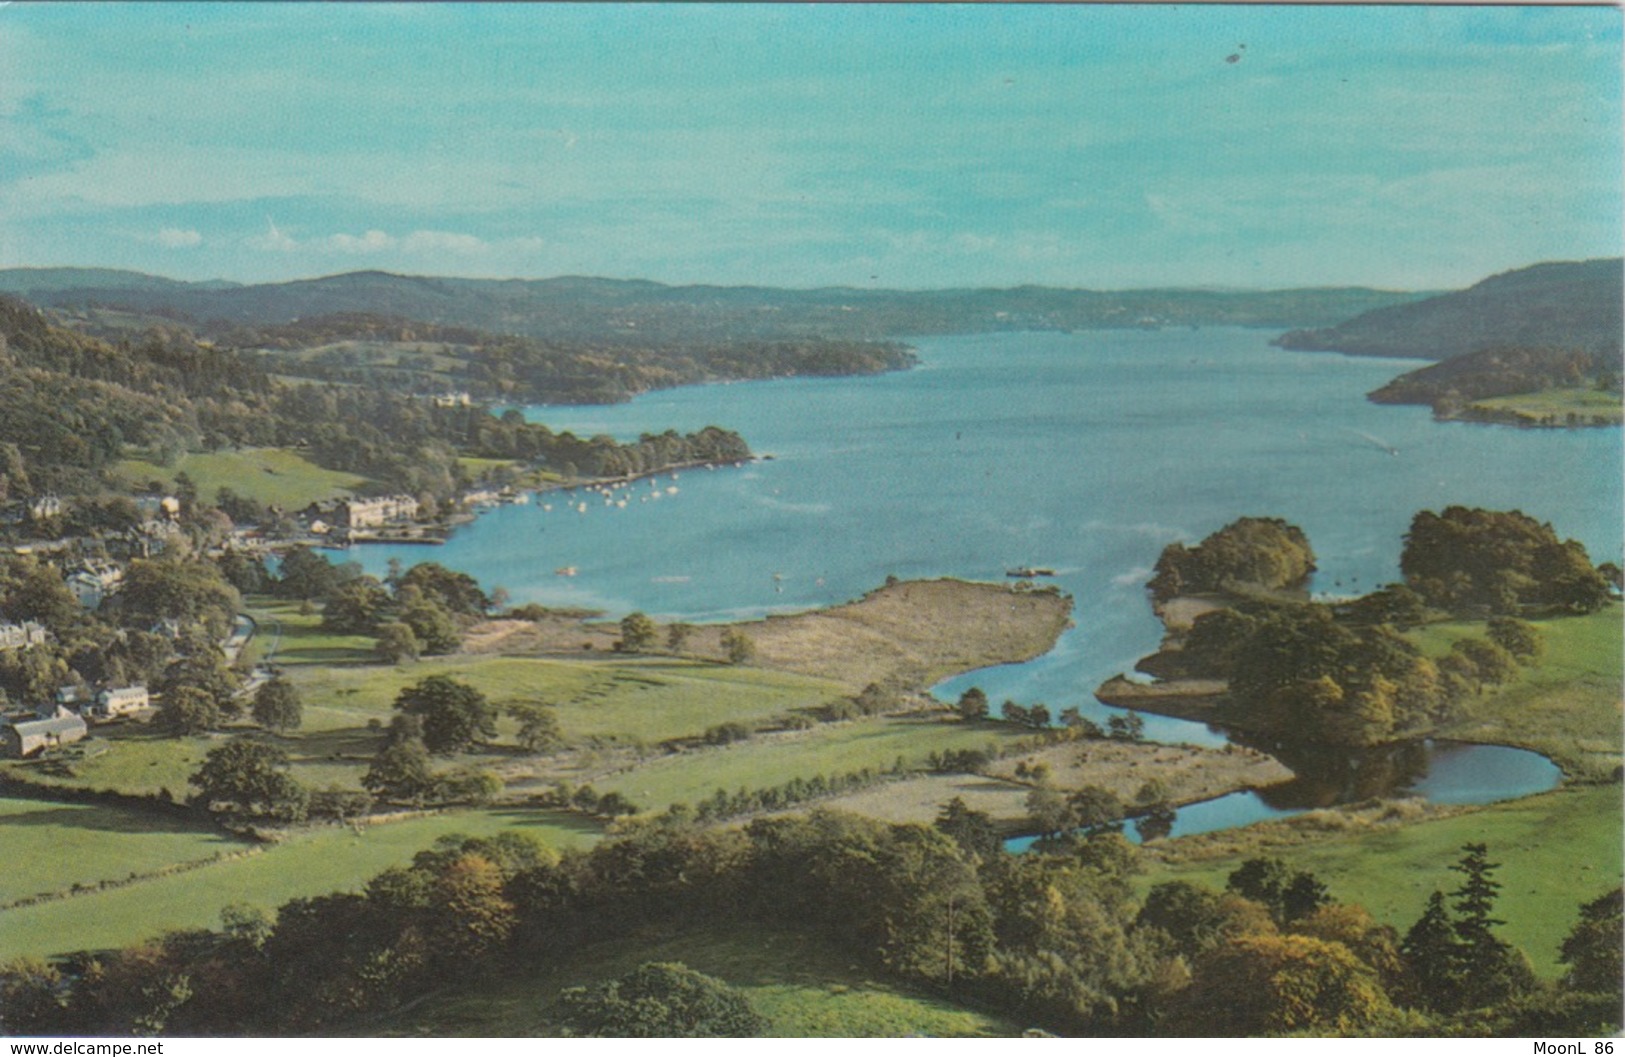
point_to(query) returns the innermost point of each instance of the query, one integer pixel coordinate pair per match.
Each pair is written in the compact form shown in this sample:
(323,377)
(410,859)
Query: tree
(637,632)
(396,643)
(1473,561)
(973,831)
(1493,664)
(539,729)
(33,998)
(432,626)
(676,636)
(186,592)
(455,715)
(1518,637)
(400,771)
(1592,949)
(356,607)
(277,705)
(1129,726)
(1267,985)
(739,646)
(1491,970)
(1430,951)
(456,592)
(1192,917)
(1262,552)
(1094,806)
(252,777)
(306,575)
(1288,894)
(470,918)
(187,710)
(1050,811)
(661,1000)
(972,704)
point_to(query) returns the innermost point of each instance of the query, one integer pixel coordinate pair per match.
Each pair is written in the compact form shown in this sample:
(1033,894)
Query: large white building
(379,510)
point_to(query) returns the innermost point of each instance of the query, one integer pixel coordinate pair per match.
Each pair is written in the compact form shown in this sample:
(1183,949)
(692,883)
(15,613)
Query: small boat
(565,570)
(1027,572)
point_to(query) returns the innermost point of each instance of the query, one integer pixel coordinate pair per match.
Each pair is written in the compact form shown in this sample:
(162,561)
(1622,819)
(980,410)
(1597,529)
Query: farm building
(121,701)
(26,737)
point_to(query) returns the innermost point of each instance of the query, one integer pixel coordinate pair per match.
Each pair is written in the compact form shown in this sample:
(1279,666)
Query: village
(92,567)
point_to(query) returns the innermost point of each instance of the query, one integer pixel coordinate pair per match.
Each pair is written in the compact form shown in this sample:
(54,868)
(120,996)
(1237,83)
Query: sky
(812,145)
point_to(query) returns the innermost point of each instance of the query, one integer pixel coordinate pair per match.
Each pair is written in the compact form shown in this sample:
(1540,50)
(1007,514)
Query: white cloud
(179,238)
(273,240)
(373,241)
(443,242)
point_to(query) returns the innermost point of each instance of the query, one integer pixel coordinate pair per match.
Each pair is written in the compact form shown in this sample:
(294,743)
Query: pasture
(315,862)
(50,846)
(829,749)
(1567,705)
(270,475)
(1557,850)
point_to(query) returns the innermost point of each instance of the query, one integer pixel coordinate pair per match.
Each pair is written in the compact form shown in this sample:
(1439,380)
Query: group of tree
(1248,554)
(72,404)
(1477,563)
(441,716)
(1059,940)
(1344,672)
(411,613)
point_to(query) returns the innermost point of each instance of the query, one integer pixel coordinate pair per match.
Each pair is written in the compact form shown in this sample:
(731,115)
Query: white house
(21,636)
(94,582)
(365,513)
(122,700)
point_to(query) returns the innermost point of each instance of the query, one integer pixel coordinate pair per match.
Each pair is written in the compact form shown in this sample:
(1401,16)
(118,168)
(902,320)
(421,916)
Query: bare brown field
(1187,774)
(913,633)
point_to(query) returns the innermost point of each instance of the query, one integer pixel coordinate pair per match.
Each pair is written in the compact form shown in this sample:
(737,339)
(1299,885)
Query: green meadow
(776,758)
(627,699)
(1557,850)
(270,475)
(1588,404)
(50,846)
(332,858)
(1566,705)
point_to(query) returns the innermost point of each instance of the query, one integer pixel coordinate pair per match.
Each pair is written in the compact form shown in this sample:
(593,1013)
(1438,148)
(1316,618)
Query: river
(1085,453)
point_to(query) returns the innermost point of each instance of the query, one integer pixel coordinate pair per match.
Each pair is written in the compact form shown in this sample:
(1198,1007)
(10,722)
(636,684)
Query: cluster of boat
(615,494)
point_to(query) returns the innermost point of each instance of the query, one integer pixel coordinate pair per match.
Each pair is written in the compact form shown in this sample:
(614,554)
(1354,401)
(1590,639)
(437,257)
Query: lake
(1085,453)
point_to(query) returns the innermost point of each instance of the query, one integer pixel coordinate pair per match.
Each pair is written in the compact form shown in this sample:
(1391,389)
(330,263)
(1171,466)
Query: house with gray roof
(26,737)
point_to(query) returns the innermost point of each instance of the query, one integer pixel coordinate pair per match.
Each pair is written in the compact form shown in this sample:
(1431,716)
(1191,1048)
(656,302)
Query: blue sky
(809,145)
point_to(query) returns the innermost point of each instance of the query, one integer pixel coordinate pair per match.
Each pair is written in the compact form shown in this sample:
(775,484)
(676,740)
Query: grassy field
(1557,850)
(775,759)
(126,759)
(49,847)
(269,475)
(804,987)
(289,637)
(1566,706)
(329,859)
(1588,404)
(645,699)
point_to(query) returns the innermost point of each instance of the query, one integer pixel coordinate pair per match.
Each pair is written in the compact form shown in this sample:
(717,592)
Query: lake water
(1085,453)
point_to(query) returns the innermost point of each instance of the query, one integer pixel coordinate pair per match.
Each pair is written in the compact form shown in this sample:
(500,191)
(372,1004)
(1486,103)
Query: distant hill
(1551,332)
(35,284)
(1573,305)
(639,311)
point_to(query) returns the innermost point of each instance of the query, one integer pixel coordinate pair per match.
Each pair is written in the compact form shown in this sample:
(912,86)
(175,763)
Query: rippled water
(1085,453)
